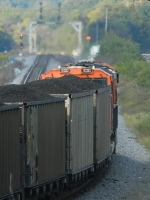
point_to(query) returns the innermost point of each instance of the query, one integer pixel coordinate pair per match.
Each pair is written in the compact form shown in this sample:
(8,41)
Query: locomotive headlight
(64,70)
(87,70)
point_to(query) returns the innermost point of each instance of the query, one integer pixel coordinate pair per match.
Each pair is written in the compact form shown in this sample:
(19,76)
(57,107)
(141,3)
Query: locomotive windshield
(101,81)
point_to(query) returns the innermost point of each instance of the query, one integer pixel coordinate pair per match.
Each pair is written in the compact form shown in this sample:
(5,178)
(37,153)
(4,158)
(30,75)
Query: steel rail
(33,66)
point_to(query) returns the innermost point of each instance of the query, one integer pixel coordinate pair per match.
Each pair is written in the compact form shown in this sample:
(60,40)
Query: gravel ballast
(129,174)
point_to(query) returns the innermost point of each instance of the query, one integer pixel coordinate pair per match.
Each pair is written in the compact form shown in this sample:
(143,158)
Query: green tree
(121,49)
(6,42)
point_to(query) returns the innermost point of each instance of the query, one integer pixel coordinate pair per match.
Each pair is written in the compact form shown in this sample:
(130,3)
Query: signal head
(21,45)
(21,36)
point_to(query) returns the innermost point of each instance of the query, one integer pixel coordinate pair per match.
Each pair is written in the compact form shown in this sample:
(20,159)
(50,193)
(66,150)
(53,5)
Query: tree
(6,43)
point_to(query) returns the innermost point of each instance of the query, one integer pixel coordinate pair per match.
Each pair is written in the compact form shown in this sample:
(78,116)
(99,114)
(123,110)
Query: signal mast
(21,44)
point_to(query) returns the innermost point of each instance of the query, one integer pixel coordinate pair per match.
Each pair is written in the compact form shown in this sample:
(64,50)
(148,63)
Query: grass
(135,108)
(140,123)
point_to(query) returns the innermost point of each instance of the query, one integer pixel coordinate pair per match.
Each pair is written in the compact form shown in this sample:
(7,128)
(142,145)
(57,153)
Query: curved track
(37,68)
(40,64)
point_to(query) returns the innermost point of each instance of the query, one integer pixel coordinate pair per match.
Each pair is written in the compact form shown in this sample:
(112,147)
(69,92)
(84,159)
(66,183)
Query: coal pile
(65,85)
(41,90)
(20,93)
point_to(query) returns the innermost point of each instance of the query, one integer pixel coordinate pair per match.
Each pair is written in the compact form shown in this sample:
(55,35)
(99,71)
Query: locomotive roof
(92,64)
(105,68)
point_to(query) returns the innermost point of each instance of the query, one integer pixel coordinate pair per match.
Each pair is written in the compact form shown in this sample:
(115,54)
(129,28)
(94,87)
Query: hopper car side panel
(80,132)
(31,131)
(52,136)
(45,146)
(10,132)
(102,129)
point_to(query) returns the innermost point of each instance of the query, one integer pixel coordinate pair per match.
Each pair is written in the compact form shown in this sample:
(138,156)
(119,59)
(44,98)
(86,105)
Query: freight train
(50,145)
(95,71)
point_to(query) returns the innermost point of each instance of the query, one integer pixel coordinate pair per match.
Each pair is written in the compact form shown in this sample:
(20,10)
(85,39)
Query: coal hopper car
(32,143)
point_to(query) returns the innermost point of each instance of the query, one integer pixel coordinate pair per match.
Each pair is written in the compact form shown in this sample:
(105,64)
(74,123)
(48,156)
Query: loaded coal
(42,89)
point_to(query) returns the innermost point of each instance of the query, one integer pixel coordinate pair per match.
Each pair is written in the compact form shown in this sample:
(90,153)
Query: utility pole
(59,16)
(97,32)
(106,19)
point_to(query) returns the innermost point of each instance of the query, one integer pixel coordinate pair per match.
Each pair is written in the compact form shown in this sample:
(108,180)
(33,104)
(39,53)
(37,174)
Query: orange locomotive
(102,73)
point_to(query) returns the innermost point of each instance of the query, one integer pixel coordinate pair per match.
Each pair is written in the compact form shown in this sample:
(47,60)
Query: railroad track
(37,68)
(40,64)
